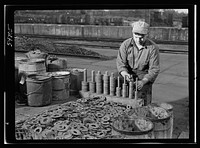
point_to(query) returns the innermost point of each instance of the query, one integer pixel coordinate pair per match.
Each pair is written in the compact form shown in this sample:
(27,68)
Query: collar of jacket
(132,44)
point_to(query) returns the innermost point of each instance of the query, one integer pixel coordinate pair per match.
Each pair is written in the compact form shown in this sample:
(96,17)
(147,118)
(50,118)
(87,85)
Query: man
(139,57)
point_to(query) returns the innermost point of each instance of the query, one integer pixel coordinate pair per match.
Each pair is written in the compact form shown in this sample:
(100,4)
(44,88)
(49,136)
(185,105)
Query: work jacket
(143,61)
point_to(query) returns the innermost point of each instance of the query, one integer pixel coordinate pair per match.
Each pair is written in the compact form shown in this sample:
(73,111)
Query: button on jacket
(146,59)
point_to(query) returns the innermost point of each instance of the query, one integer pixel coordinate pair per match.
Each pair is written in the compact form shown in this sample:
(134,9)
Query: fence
(101,32)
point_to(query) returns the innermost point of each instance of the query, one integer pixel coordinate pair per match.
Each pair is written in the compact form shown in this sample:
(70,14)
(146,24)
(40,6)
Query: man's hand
(141,83)
(126,74)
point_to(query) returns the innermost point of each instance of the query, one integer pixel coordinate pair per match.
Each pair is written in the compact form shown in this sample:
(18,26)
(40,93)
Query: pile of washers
(86,118)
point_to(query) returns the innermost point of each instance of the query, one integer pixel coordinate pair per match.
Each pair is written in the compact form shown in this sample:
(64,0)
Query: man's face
(139,38)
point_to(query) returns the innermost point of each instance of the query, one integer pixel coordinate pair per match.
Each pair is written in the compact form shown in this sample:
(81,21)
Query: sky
(178,10)
(182,10)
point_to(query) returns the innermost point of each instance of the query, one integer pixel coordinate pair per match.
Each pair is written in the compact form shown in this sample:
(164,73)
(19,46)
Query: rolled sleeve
(121,59)
(154,65)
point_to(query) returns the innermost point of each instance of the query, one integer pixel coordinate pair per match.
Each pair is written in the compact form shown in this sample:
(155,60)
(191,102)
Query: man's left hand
(140,84)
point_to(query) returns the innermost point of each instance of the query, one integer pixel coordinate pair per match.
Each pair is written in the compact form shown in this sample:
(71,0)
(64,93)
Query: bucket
(37,54)
(33,66)
(57,65)
(75,80)
(17,76)
(16,80)
(60,85)
(169,108)
(163,127)
(17,61)
(132,131)
(39,90)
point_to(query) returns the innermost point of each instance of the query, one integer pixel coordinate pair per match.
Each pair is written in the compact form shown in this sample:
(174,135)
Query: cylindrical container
(129,134)
(135,136)
(85,86)
(99,78)
(18,59)
(93,76)
(131,90)
(27,67)
(99,83)
(37,54)
(169,108)
(92,87)
(118,81)
(16,80)
(76,78)
(163,127)
(39,90)
(124,90)
(33,66)
(106,83)
(136,89)
(112,84)
(17,76)
(99,88)
(60,85)
(118,91)
(85,75)
(57,65)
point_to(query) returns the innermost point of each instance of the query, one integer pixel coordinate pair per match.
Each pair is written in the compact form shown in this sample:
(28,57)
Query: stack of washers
(92,83)
(108,85)
(118,88)
(124,89)
(131,90)
(91,118)
(99,83)
(106,79)
(84,82)
(112,84)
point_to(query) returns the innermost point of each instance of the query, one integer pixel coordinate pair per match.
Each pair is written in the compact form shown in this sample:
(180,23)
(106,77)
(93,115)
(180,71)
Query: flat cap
(140,27)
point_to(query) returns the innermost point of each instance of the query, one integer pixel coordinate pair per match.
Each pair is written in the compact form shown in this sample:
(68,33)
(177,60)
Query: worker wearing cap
(138,57)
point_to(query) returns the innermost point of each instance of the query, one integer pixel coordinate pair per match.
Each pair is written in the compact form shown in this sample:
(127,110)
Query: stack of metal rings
(99,83)
(85,84)
(112,84)
(92,83)
(106,79)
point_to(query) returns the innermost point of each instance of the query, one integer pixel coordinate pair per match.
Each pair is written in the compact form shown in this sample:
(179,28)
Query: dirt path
(181,116)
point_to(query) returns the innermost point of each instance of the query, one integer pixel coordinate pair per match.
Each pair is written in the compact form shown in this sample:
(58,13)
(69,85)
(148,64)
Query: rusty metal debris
(90,118)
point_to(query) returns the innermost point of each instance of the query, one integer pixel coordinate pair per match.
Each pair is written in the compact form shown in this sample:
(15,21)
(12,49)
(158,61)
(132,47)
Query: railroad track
(117,47)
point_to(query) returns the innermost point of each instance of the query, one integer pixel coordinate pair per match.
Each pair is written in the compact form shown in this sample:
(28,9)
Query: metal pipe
(85,75)
(136,97)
